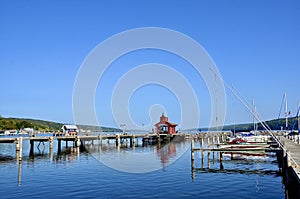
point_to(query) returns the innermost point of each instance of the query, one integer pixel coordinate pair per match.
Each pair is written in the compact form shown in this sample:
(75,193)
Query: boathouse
(164,126)
(70,129)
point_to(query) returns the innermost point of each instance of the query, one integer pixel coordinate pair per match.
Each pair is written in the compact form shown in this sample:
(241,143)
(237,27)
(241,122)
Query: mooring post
(100,139)
(59,146)
(131,140)
(19,148)
(202,159)
(208,157)
(77,141)
(117,139)
(31,152)
(50,143)
(192,155)
(208,143)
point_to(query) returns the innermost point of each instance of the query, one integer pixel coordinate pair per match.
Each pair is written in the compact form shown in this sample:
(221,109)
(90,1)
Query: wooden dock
(289,147)
(81,140)
(291,151)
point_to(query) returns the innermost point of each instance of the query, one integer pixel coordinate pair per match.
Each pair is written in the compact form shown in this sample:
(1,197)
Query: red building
(164,126)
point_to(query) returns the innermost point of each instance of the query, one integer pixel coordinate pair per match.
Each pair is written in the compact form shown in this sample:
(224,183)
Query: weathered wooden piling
(50,143)
(19,172)
(59,146)
(19,148)
(117,139)
(31,152)
(77,142)
(192,155)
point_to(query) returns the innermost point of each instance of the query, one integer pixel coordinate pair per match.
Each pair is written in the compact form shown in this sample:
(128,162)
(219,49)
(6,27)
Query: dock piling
(19,148)
(192,155)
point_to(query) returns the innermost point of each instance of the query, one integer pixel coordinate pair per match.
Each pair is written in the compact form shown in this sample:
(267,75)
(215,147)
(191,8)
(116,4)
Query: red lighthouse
(164,126)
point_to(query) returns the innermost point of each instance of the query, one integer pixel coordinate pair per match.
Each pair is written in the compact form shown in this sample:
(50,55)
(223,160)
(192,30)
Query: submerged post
(19,173)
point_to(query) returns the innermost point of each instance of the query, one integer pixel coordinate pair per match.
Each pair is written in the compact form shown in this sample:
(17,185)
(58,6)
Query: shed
(164,126)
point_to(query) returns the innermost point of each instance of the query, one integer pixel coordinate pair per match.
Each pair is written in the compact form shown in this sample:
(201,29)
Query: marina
(286,148)
(211,152)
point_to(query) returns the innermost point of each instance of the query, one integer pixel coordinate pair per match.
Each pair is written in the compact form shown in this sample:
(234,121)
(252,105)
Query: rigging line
(264,124)
(280,110)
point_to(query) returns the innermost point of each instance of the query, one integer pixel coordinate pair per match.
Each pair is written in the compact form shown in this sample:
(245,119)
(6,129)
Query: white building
(70,129)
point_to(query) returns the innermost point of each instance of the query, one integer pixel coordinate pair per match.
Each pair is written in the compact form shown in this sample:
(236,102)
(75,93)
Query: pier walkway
(293,150)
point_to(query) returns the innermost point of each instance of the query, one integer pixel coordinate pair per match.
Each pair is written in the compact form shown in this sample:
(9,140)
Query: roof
(69,126)
(167,123)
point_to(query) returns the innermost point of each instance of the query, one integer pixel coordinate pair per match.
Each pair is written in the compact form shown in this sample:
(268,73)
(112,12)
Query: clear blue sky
(255,45)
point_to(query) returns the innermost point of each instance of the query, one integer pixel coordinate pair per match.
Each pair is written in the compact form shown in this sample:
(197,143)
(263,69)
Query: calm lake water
(140,172)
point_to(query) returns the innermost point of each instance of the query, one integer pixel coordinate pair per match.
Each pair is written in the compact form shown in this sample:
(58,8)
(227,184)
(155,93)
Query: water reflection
(137,157)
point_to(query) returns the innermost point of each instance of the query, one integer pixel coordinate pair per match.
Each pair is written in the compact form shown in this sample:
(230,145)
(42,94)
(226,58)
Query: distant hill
(274,124)
(41,125)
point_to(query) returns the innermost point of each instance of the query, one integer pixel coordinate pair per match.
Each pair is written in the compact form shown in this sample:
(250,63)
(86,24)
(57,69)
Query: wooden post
(117,139)
(208,162)
(59,146)
(192,155)
(19,173)
(19,148)
(221,160)
(202,159)
(131,140)
(77,142)
(220,156)
(31,148)
(50,143)
(101,139)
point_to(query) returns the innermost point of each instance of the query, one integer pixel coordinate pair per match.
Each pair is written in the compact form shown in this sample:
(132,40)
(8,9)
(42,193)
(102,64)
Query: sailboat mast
(253,111)
(286,112)
(298,117)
